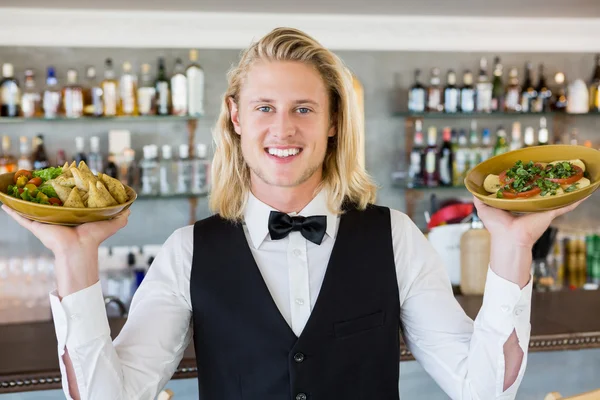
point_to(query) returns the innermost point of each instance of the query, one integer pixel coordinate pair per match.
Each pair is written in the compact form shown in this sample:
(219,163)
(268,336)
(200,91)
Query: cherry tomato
(572,179)
(36,181)
(21,190)
(54,200)
(22,172)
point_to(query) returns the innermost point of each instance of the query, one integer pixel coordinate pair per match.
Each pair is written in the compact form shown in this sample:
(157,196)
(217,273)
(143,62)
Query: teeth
(283,152)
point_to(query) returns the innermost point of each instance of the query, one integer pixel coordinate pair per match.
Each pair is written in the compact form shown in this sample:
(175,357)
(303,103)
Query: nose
(283,125)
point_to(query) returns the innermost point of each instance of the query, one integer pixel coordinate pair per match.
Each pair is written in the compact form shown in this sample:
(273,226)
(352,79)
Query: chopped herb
(572,187)
(499,194)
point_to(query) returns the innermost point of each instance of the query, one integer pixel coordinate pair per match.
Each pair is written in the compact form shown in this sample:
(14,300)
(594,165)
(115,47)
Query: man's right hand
(75,249)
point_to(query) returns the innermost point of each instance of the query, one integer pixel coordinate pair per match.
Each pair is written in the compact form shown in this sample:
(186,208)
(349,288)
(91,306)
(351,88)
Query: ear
(235,115)
(332,129)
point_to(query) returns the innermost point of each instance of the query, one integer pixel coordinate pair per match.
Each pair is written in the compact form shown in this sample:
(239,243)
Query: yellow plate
(497,164)
(68,216)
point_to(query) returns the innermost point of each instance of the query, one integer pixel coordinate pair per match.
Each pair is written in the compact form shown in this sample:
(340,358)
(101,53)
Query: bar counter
(559,320)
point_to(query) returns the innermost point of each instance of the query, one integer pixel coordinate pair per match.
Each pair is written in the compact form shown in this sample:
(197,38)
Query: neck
(286,199)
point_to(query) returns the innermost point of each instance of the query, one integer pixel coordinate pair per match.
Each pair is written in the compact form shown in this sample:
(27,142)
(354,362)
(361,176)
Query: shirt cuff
(507,307)
(80,317)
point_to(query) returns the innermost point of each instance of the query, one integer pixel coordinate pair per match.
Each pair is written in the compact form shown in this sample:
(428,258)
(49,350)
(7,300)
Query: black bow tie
(312,228)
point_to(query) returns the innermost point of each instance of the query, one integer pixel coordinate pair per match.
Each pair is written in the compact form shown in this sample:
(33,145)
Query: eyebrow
(300,101)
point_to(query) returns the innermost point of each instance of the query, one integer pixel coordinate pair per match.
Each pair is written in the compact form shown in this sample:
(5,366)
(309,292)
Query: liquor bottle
(179,88)
(486,145)
(417,95)
(112,169)
(61,157)
(544,94)
(31,101)
(149,171)
(431,170)
(529,137)
(146,93)
(129,173)
(467,93)
(110,90)
(543,133)
(51,96)
(10,93)
(434,92)
(594,88)
(512,99)
(462,158)
(578,97)
(200,170)
(163,92)
(497,87)
(501,145)
(167,172)
(184,170)
(92,95)
(474,148)
(515,142)
(446,159)
(451,93)
(484,88)
(529,94)
(79,147)
(128,92)
(40,157)
(95,159)
(8,162)
(559,102)
(72,95)
(195,82)
(25,155)
(454,147)
(415,170)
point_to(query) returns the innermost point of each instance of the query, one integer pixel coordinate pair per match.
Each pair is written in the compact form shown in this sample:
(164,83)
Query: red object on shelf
(450,214)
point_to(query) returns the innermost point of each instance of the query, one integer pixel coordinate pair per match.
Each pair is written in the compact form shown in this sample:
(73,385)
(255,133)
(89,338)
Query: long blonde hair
(344,179)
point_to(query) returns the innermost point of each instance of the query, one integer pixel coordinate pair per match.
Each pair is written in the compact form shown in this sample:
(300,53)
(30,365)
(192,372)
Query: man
(298,286)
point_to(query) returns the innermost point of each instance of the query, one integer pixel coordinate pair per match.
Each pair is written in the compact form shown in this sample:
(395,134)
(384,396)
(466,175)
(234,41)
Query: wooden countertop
(560,321)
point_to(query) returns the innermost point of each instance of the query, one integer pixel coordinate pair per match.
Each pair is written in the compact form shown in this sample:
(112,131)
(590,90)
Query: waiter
(298,286)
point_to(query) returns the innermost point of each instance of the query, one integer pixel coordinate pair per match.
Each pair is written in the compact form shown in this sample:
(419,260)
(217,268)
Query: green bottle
(501,145)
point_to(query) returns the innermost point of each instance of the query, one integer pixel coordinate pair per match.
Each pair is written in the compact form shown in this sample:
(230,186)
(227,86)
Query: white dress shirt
(464,357)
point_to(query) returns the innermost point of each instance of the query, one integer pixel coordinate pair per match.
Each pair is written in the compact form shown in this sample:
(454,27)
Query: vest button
(301,396)
(298,357)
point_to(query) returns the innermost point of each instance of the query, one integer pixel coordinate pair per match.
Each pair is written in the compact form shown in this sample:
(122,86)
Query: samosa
(74,199)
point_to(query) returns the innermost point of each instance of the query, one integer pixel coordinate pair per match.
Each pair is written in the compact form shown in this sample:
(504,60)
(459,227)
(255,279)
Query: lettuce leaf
(48,173)
(13,191)
(48,190)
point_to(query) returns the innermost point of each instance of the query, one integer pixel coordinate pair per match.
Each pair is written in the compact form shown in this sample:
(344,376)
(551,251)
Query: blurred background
(134,88)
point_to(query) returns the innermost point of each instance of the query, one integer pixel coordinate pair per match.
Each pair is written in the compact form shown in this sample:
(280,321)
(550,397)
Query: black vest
(349,348)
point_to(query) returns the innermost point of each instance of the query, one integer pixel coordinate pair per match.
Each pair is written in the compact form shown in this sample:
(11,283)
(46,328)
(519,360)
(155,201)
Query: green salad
(32,186)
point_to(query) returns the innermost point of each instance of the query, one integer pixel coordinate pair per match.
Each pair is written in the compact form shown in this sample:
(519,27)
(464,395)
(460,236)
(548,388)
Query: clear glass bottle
(512,99)
(417,95)
(95,158)
(8,162)
(467,93)
(168,172)
(72,95)
(497,87)
(484,88)
(501,145)
(475,252)
(92,95)
(110,90)
(515,142)
(486,145)
(146,93)
(195,82)
(415,171)
(434,92)
(543,133)
(31,100)
(10,93)
(200,170)
(80,150)
(529,137)
(462,159)
(474,148)
(184,170)
(179,90)
(51,97)
(128,92)
(25,154)
(431,175)
(149,172)
(451,93)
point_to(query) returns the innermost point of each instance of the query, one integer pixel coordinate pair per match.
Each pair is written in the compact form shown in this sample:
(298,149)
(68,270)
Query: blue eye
(264,108)
(303,110)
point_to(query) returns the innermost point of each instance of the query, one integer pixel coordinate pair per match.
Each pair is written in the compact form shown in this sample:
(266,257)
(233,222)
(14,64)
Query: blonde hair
(344,178)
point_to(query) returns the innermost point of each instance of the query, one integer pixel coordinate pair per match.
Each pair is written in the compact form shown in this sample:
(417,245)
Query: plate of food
(69,195)
(535,179)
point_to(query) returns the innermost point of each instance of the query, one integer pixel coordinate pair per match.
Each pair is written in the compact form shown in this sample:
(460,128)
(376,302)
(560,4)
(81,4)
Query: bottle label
(127,94)
(145,100)
(433,103)
(29,104)
(484,97)
(162,95)
(179,94)
(445,168)
(73,103)
(51,103)
(110,98)
(467,100)
(416,100)
(451,100)
(10,94)
(512,100)
(195,78)
(430,162)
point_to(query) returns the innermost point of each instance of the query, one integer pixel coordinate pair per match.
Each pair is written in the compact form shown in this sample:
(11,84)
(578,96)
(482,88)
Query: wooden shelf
(559,321)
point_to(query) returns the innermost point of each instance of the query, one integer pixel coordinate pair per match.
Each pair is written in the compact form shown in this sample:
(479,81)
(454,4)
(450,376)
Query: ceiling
(489,8)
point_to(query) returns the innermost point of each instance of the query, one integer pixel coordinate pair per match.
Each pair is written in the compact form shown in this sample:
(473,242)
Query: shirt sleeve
(143,358)
(465,357)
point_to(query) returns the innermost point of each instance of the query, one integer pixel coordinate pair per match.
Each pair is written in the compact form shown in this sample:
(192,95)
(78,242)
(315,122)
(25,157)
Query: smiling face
(282,116)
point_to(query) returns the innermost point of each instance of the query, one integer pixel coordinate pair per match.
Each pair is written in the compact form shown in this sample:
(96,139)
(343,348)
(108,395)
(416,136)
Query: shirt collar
(256,216)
